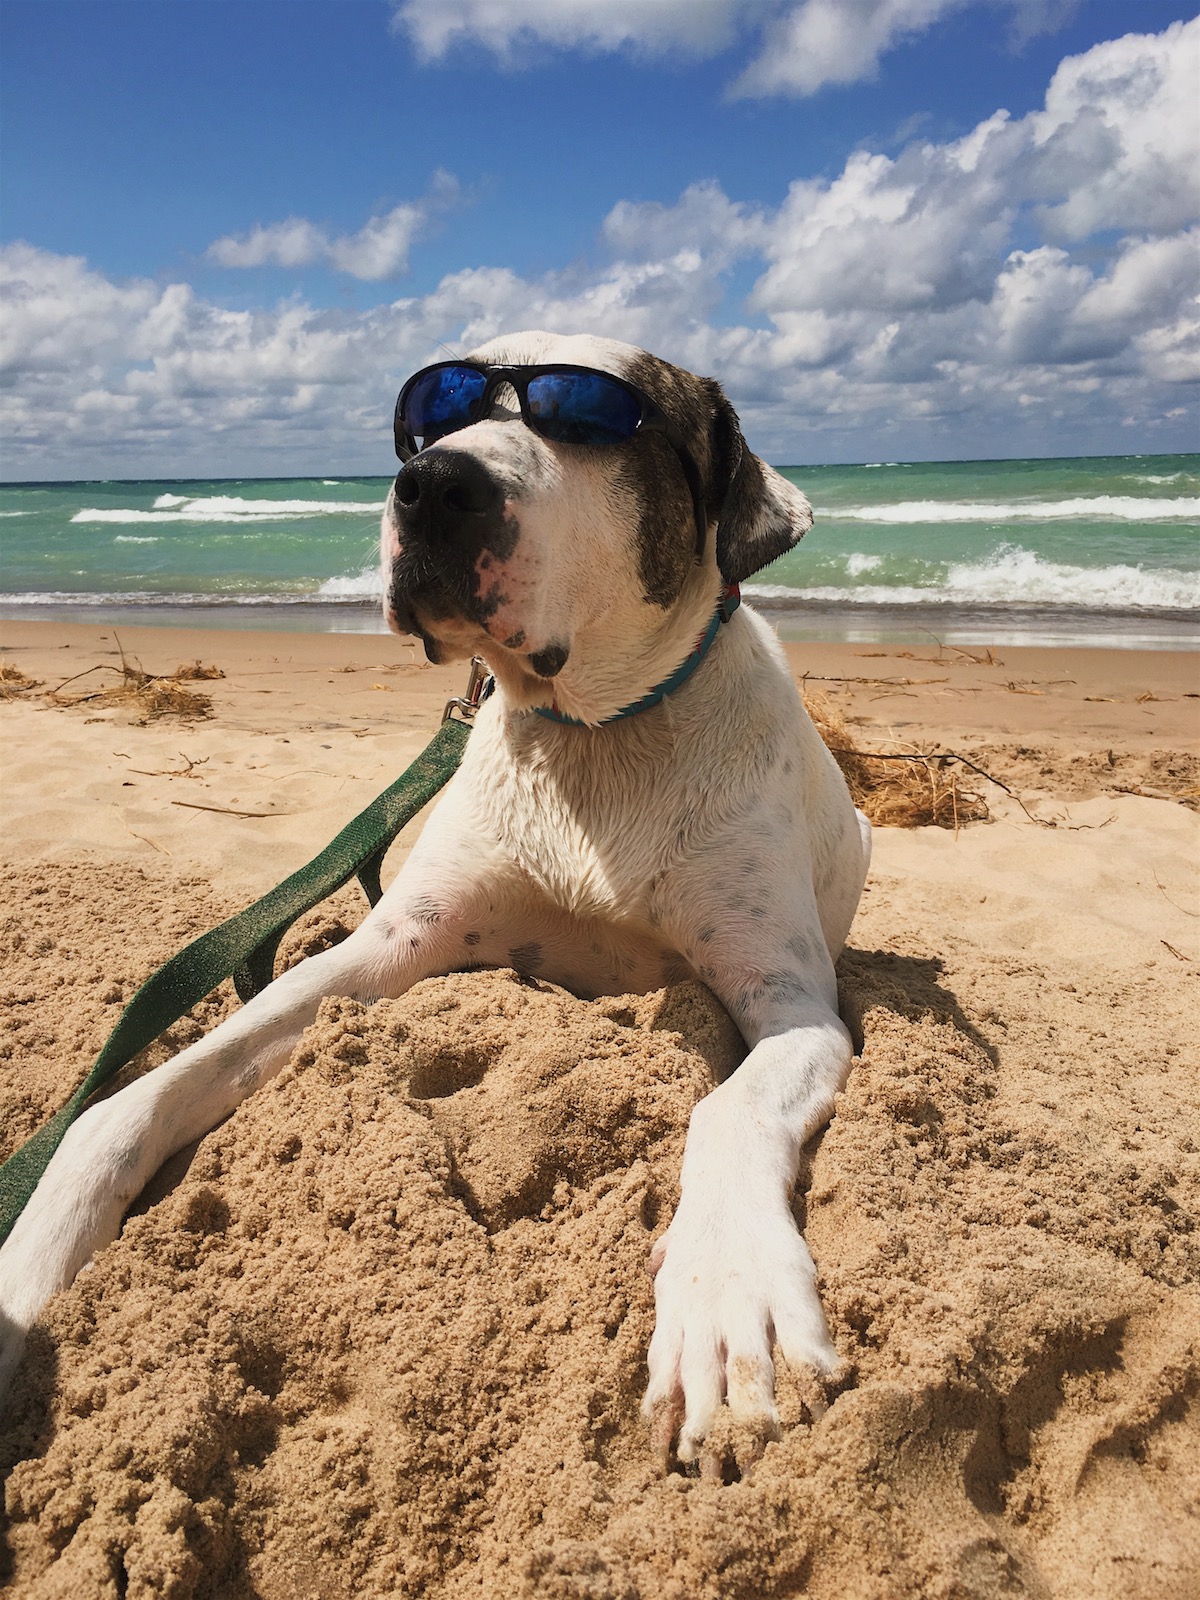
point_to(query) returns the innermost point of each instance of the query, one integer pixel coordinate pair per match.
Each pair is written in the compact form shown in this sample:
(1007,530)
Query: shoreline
(808,621)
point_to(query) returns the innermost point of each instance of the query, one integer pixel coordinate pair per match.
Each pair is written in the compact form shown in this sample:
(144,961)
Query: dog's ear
(761,515)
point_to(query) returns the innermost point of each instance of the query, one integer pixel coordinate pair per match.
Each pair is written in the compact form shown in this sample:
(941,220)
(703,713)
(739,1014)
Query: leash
(243,948)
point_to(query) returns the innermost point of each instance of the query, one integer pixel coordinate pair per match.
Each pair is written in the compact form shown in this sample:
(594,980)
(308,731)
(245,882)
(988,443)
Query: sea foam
(364,585)
(1124,507)
(857,563)
(226,508)
(1014,577)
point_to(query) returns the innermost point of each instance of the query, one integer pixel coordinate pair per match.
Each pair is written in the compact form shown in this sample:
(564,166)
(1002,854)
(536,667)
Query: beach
(383,1332)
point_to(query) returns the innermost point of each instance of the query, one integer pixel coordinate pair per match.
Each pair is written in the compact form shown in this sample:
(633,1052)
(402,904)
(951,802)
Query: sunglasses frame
(651,418)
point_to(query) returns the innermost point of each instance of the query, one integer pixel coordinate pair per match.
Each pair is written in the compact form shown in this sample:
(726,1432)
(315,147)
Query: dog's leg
(115,1147)
(733,1274)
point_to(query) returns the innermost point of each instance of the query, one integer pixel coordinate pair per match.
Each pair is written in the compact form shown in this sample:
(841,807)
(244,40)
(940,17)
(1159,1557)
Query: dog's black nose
(446,490)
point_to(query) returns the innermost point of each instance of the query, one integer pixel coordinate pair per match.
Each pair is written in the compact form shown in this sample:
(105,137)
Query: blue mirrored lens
(582,408)
(443,400)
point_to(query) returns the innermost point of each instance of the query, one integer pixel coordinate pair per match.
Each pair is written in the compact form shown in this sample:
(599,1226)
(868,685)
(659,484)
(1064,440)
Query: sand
(383,1332)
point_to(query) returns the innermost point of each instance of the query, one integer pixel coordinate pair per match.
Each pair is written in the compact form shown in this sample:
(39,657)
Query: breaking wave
(364,585)
(226,508)
(1121,507)
(1011,576)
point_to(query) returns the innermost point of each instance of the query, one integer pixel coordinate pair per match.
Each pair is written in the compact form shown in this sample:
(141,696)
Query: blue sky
(231,227)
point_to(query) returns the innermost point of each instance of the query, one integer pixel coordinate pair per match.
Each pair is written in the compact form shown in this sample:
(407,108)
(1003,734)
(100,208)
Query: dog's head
(579,570)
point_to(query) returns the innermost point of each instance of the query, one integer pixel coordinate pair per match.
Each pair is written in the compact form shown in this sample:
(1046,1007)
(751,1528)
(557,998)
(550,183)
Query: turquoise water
(244,541)
(1040,549)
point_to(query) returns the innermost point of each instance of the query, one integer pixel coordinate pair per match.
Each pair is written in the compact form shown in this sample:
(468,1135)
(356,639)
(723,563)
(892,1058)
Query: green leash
(244,947)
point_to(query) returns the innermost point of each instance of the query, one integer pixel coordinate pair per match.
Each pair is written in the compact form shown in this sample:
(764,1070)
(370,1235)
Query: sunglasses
(568,405)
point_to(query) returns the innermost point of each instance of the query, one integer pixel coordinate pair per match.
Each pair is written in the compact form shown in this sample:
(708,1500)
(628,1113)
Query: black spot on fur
(486,605)
(786,988)
(471,938)
(423,909)
(525,958)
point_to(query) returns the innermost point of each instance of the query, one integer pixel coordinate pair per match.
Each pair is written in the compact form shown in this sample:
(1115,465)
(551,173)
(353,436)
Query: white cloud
(911,306)
(380,249)
(704,216)
(292,243)
(803,44)
(511,28)
(1172,353)
(1118,145)
(834,41)
(925,230)
(931,230)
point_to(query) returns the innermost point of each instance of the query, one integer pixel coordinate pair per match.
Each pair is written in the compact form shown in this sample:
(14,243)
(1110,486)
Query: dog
(643,799)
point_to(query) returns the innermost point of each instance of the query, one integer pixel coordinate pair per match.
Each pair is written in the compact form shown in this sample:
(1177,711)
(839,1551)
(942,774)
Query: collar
(731,598)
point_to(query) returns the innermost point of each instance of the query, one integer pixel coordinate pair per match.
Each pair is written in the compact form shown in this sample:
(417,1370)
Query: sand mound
(387,1335)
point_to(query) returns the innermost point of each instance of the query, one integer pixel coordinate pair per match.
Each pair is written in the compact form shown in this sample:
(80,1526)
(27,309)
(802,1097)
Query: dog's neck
(625,655)
(614,662)
(731,598)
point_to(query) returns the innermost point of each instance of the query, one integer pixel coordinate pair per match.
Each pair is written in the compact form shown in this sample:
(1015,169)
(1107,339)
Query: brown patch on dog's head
(666,531)
(759,514)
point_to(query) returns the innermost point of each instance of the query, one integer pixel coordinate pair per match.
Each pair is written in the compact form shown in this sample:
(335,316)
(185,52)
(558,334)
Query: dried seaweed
(901,788)
(152,695)
(14,682)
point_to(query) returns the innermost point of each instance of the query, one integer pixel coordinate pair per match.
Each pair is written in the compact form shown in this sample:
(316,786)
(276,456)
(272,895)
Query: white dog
(580,513)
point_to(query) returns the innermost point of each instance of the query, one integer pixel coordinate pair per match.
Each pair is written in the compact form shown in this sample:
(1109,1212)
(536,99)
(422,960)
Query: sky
(893,229)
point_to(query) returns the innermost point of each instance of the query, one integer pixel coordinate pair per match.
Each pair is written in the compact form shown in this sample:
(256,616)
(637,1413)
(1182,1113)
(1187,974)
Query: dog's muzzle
(449,509)
(448,498)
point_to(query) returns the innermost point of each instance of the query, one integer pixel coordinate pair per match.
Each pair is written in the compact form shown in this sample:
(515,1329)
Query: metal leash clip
(479,686)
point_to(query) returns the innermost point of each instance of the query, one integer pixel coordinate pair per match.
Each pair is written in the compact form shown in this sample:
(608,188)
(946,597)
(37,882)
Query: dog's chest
(594,827)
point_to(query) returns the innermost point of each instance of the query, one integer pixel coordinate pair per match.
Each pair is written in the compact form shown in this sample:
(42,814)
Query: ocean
(1090,550)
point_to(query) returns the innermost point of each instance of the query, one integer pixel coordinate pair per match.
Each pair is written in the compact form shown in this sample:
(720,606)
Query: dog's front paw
(12,1347)
(727,1289)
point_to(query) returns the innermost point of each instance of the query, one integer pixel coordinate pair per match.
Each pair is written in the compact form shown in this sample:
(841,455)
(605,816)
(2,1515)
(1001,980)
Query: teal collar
(728,603)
